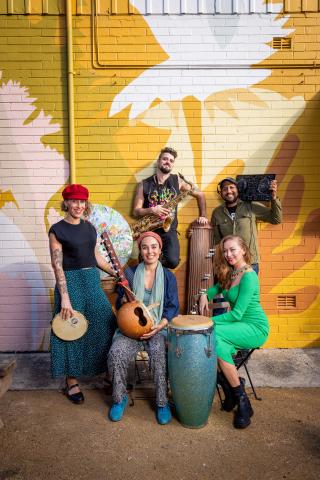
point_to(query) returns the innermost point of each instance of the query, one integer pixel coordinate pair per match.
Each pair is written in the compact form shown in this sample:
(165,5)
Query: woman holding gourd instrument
(153,285)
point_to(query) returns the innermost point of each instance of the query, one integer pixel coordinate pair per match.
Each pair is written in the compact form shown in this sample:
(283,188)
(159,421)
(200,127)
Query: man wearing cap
(237,217)
(155,192)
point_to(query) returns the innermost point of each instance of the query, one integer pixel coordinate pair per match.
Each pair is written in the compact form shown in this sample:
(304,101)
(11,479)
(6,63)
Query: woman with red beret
(151,284)
(75,258)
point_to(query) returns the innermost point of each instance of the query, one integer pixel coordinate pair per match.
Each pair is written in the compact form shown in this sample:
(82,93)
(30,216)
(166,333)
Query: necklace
(238,271)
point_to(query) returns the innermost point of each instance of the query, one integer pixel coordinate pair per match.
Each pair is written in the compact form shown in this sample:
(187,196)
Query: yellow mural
(264,119)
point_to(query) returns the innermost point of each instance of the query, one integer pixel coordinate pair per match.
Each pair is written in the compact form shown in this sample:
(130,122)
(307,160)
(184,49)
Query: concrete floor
(285,368)
(46,437)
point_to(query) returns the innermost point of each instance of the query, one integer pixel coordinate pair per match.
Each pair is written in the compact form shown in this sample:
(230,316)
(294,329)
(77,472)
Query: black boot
(230,400)
(244,410)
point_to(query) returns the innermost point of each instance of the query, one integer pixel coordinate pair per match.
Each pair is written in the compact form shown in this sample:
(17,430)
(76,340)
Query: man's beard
(231,202)
(165,169)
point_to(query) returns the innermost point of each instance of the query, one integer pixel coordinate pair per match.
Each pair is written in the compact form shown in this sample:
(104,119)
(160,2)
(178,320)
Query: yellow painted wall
(270,125)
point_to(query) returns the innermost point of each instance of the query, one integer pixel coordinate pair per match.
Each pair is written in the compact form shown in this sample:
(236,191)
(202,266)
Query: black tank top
(78,244)
(155,193)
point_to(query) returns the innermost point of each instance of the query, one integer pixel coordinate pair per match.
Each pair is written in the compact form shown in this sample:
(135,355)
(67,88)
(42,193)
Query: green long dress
(246,325)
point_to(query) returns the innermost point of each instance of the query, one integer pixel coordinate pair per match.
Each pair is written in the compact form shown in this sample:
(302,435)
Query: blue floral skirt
(88,354)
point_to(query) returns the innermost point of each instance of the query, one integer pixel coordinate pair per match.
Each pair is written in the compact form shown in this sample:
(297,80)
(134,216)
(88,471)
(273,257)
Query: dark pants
(170,249)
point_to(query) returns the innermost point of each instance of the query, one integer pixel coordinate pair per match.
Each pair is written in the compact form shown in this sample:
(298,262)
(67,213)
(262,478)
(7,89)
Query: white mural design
(221,43)
(30,174)
(250,136)
(210,55)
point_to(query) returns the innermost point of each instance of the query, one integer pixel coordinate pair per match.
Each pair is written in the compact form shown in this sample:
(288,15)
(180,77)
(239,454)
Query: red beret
(149,234)
(75,192)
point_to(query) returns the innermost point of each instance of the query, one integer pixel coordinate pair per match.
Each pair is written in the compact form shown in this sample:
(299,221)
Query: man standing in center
(152,195)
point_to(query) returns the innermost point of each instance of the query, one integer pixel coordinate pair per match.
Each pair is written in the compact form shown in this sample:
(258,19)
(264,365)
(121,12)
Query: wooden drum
(200,267)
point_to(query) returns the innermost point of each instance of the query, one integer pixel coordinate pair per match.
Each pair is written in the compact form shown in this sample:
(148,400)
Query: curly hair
(86,213)
(223,270)
(170,150)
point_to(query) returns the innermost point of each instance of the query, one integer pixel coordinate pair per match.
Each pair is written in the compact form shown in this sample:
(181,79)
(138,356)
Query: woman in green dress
(75,258)
(245,326)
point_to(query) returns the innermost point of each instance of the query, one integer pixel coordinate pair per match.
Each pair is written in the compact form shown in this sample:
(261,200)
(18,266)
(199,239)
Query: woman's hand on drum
(155,329)
(203,304)
(66,309)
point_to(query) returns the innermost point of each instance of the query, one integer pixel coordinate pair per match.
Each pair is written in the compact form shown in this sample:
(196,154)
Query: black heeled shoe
(75,398)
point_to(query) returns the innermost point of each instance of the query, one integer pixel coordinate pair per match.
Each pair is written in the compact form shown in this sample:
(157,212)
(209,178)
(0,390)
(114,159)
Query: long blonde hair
(223,270)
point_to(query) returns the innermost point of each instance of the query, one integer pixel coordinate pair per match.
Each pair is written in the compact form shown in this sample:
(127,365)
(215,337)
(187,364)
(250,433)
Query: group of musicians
(76,260)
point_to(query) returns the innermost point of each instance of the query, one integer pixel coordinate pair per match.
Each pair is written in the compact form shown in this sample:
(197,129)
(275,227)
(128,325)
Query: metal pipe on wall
(71,135)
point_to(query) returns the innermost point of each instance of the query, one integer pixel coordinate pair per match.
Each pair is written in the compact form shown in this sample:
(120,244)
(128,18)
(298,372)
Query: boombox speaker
(254,188)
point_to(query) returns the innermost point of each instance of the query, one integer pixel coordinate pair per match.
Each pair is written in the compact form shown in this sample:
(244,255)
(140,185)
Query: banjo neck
(117,266)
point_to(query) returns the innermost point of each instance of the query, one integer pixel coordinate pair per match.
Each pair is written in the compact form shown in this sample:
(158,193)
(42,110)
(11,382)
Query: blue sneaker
(164,415)
(117,410)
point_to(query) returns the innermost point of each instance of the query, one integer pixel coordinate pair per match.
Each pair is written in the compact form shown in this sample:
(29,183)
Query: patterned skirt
(88,354)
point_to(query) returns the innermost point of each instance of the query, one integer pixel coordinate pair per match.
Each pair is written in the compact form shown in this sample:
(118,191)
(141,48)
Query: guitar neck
(116,264)
(112,255)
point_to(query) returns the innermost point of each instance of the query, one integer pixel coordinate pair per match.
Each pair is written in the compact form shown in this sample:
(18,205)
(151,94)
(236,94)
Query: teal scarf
(157,292)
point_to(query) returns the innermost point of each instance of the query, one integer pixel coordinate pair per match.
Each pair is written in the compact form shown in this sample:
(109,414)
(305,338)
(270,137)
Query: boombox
(254,188)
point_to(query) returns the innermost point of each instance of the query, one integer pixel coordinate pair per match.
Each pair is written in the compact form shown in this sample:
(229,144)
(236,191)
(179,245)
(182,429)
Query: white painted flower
(225,44)
(31,172)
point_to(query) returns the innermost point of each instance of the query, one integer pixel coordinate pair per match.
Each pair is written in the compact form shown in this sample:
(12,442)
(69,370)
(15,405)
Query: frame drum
(72,329)
(192,365)
(106,218)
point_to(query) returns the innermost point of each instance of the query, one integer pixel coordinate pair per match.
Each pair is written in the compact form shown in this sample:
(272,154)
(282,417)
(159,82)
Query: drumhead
(72,329)
(191,322)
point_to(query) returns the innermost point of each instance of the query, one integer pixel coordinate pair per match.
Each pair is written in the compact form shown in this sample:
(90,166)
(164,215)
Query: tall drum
(192,363)
(200,266)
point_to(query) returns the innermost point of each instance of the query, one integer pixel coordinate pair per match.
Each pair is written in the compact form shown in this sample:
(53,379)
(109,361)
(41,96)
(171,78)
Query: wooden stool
(141,386)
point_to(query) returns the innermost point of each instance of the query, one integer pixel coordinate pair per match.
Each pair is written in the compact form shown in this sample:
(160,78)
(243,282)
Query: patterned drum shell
(192,365)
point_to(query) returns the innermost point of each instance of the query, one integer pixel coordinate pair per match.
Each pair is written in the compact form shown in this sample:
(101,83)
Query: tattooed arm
(56,262)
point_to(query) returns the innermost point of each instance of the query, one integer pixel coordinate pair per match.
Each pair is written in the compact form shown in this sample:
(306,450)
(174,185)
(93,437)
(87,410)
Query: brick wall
(222,115)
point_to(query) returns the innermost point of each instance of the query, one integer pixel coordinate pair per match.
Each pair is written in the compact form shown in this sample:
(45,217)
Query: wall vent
(282,43)
(286,301)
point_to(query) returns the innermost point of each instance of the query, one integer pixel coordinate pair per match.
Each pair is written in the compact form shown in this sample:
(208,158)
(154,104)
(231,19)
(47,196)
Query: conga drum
(192,365)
